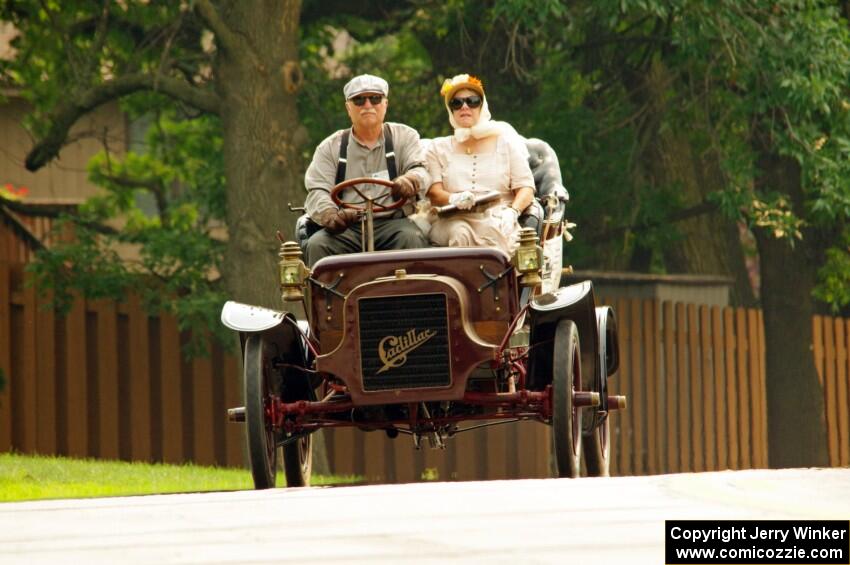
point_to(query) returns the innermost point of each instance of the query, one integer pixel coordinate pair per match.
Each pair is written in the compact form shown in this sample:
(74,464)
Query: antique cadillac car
(424,342)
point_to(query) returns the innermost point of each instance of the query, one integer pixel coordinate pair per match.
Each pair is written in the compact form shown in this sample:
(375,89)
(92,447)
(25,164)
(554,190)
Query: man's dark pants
(393,233)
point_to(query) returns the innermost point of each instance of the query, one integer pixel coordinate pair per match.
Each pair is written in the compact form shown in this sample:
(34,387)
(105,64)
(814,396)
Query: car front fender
(246,318)
(575,302)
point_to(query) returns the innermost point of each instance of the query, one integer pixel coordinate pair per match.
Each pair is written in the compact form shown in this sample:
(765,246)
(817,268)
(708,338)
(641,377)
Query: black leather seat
(304,228)
(547,180)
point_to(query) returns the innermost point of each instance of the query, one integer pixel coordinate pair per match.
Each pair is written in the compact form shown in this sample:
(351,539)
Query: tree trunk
(709,243)
(795,405)
(257,77)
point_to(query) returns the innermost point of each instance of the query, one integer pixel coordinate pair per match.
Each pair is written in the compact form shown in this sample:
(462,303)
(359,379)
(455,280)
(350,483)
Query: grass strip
(35,477)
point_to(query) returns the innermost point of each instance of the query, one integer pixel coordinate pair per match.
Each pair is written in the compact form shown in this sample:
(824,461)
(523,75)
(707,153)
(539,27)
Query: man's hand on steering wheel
(336,221)
(405,186)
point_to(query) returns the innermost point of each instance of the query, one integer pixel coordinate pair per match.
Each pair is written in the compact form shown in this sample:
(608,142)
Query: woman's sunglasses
(375,99)
(471,101)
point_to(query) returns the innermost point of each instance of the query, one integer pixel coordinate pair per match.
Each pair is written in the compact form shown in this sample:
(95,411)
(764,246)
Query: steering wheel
(361,205)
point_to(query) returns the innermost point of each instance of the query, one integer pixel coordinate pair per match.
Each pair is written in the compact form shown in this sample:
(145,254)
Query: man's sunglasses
(375,99)
(471,101)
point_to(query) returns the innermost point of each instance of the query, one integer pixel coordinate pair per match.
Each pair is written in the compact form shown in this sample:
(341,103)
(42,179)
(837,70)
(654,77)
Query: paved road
(616,520)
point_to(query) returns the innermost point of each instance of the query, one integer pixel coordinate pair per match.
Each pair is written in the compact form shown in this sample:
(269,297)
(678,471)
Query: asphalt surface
(608,520)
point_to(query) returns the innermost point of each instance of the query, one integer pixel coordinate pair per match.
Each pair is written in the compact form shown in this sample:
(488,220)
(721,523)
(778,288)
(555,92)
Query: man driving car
(370,148)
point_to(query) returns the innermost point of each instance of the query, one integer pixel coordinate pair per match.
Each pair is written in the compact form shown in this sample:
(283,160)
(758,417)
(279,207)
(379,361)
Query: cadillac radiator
(404,342)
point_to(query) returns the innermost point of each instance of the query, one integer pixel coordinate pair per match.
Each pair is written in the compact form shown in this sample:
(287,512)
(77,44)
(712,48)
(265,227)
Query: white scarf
(484,127)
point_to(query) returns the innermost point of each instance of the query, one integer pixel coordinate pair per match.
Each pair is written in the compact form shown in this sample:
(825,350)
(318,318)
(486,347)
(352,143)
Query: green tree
(169,193)
(234,68)
(778,81)
(221,78)
(674,120)
(760,88)
(704,115)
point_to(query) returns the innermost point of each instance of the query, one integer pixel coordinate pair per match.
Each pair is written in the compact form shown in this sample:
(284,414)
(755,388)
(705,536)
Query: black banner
(818,542)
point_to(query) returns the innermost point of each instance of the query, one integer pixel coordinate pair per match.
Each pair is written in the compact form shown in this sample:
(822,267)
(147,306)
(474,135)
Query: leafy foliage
(744,75)
(778,76)
(151,228)
(834,275)
(66,48)
(170,197)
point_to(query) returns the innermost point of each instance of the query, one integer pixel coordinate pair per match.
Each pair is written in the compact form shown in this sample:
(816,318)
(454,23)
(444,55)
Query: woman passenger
(482,156)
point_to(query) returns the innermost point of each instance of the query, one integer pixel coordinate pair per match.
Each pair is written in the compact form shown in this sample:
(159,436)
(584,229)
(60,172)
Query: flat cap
(365,83)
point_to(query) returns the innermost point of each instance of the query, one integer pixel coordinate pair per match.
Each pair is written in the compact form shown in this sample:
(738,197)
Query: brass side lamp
(528,258)
(293,272)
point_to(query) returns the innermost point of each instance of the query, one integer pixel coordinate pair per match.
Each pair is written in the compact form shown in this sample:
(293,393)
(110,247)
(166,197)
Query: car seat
(548,182)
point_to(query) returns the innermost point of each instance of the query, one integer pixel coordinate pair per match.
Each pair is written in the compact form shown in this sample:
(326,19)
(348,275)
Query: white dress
(504,170)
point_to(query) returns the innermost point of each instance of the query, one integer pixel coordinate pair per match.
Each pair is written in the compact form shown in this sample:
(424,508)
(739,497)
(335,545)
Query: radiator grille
(404,342)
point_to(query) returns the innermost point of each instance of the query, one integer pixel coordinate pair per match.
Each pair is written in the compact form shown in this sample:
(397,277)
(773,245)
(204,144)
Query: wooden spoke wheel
(566,417)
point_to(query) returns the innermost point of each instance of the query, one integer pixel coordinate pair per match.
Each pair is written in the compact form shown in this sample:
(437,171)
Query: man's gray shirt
(362,162)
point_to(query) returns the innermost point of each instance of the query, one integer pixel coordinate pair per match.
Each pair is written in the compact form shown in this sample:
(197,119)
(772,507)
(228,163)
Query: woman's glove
(508,220)
(463,200)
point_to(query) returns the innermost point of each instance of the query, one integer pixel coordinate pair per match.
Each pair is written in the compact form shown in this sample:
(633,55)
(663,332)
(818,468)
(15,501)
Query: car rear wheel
(566,418)
(597,450)
(262,453)
(298,462)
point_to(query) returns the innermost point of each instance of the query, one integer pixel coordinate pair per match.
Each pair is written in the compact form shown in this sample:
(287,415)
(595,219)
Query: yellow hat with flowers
(459,82)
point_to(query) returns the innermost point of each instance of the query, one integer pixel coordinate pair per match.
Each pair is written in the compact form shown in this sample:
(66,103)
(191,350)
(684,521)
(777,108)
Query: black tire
(298,462)
(566,418)
(262,453)
(298,455)
(597,450)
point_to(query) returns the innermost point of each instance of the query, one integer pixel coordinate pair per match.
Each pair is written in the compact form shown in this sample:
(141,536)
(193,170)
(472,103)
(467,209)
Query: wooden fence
(831,345)
(695,379)
(21,235)
(16,239)
(109,381)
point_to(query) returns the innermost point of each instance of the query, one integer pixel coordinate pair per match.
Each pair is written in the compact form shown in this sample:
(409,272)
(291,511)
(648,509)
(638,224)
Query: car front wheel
(262,452)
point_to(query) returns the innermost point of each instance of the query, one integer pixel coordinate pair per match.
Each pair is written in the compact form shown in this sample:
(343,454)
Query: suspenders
(388,147)
(343,151)
(392,170)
